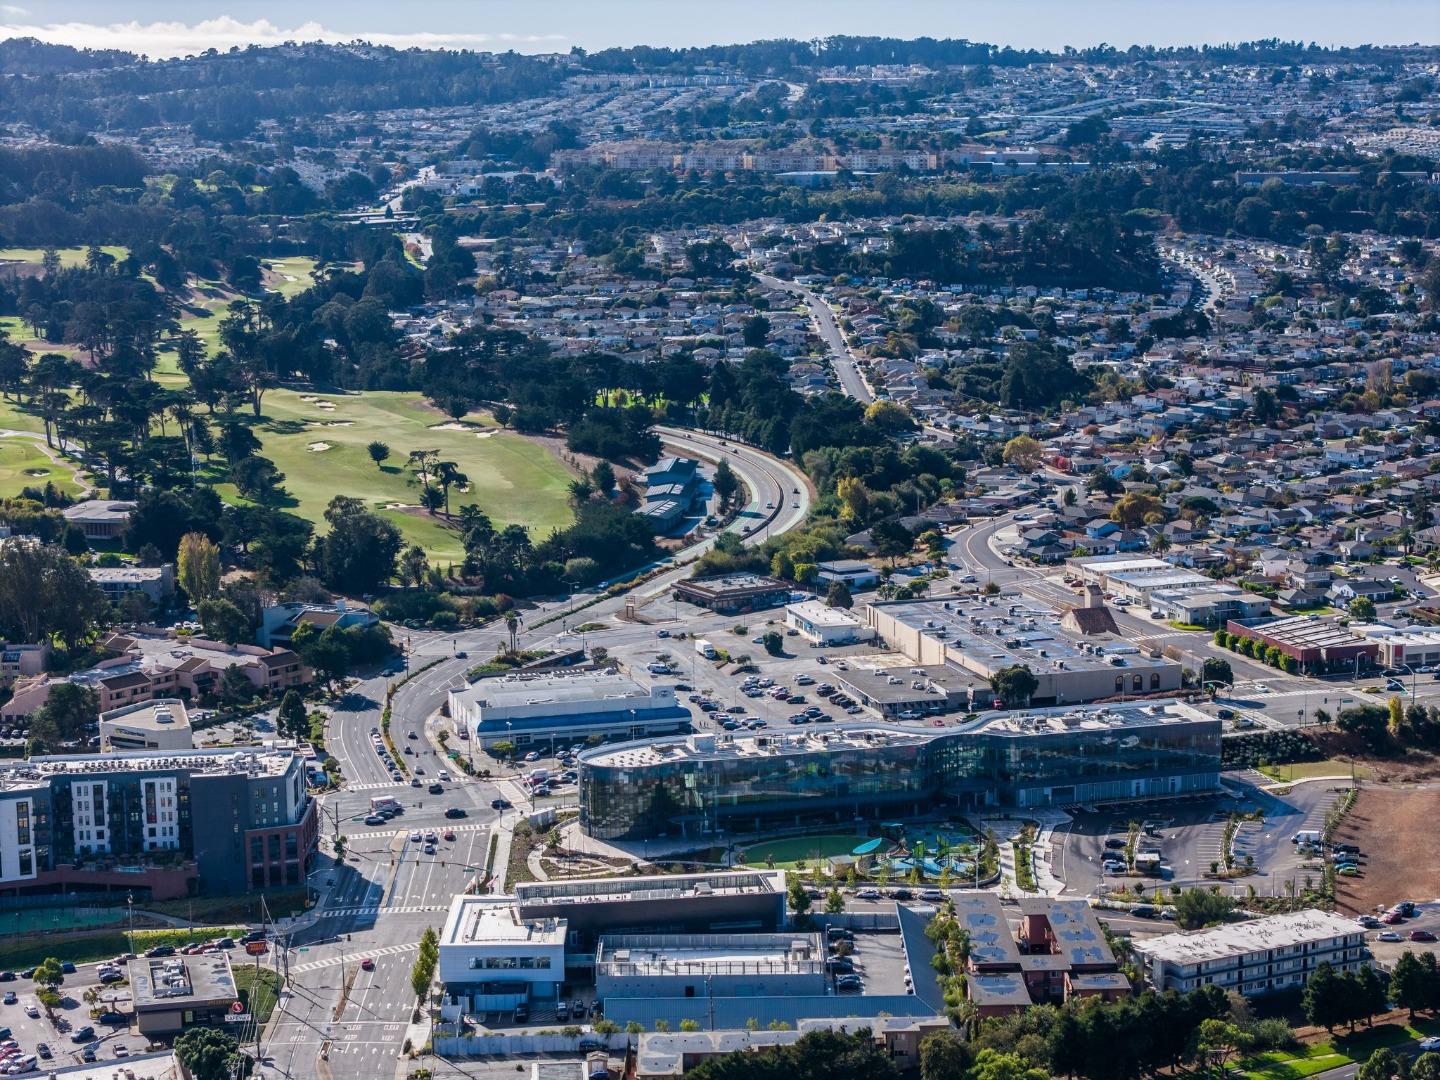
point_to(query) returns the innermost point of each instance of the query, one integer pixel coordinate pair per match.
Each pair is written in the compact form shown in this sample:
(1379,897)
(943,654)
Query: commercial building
(499,951)
(100,519)
(731,594)
(279,622)
(672,486)
(541,708)
(157,583)
(707,785)
(852,572)
(982,635)
(173,993)
(821,624)
(158,824)
(1318,645)
(1403,646)
(1060,953)
(1172,591)
(161,724)
(724,965)
(1260,956)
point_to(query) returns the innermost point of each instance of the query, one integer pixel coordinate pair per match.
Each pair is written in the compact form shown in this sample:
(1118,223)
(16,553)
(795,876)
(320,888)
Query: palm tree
(512,627)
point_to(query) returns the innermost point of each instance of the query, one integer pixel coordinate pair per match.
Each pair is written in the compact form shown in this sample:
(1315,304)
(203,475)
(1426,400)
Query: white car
(1431,1043)
(1261,688)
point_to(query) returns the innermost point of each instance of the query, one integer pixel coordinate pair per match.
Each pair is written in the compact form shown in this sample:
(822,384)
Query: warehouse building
(1319,645)
(1074,659)
(525,709)
(1261,956)
(820,624)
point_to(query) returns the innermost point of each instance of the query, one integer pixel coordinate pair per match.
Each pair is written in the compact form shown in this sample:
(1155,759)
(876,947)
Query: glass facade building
(703,786)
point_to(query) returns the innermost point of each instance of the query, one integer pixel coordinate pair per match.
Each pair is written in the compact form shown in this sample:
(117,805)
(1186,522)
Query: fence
(452,1046)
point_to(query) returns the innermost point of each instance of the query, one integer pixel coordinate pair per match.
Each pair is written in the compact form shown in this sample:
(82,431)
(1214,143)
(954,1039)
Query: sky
(160,28)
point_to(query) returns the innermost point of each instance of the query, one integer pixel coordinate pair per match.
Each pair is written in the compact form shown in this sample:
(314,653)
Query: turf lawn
(72,256)
(1303,770)
(513,479)
(289,277)
(792,849)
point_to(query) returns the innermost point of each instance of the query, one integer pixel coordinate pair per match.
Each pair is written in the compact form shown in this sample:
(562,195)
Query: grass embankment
(259,990)
(319,442)
(215,910)
(1341,1050)
(86,948)
(1304,770)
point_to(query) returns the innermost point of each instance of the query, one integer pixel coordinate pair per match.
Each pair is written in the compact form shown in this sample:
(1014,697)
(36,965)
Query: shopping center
(697,786)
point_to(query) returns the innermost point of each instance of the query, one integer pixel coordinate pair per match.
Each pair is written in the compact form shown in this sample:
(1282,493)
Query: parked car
(1421,935)
(113,1018)
(1388,935)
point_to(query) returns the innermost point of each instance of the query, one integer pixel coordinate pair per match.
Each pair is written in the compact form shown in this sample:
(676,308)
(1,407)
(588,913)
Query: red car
(450,836)
(1390,918)
(1421,935)
(367,964)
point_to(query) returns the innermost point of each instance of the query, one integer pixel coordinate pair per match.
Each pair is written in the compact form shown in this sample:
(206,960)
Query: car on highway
(867,894)
(500,804)
(374,819)
(1430,1043)
(436,788)
(454,812)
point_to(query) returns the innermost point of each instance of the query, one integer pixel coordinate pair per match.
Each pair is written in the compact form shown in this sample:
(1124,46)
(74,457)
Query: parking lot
(108,1041)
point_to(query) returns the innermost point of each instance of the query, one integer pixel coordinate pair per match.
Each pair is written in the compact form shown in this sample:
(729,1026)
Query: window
(1119,684)
(1154,680)
(1137,683)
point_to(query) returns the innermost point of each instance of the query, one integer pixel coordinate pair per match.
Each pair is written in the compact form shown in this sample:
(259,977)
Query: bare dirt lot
(1396,830)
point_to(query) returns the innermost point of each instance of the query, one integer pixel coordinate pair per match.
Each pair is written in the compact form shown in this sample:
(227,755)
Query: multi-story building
(157,583)
(708,784)
(543,707)
(157,823)
(161,724)
(1277,952)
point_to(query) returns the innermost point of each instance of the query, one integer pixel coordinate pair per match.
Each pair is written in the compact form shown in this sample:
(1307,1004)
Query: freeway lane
(828,327)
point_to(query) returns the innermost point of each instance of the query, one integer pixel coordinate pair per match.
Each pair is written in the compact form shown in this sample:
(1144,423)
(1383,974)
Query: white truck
(382,802)
(705,648)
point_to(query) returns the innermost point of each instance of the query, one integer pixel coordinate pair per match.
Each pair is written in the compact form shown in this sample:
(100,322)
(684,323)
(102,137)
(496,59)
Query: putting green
(319,442)
(792,849)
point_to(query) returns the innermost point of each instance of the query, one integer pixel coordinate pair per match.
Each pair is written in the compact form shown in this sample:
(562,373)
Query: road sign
(236,1007)
(238,1018)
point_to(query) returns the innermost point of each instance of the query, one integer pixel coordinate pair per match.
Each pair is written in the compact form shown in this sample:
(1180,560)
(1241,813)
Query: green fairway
(322,452)
(72,256)
(13,418)
(290,277)
(23,464)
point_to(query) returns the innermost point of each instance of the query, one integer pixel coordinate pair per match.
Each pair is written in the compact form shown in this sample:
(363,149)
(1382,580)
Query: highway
(828,327)
(336,1019)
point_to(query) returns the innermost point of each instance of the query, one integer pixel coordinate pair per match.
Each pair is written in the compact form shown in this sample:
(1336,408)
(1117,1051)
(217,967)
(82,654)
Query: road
(828,327)
(379,900)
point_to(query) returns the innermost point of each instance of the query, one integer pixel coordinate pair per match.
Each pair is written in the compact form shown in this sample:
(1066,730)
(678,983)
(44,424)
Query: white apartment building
(1278,952)
(17,839)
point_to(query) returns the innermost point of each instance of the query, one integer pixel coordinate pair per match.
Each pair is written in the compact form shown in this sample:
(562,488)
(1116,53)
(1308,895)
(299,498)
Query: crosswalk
(353,958)
(376,909)
(377,786)
(436,829)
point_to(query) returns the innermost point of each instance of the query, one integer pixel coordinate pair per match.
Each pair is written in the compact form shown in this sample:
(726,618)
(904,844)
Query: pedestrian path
(353,958)
(376,909)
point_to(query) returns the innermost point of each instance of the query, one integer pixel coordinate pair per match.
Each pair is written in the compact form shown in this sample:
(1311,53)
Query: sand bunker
(453,425)
(318,447)
(484,434)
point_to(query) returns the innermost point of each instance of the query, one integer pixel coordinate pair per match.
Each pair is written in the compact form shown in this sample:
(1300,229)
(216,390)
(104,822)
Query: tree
(68,711)
(944,1055)
(838,596)
(1135,508)
(726,483)
(603,477)
(413,565)
(1362,608)
(1396,710)
(44,593)
(1023,452)
(358,554)
(799,899)
(1324,998)
(755,331)
(211,1054)
(223,620)
(1014,685)
(891,539)
(49,973)
(1220,1040)
(198,566)
(890,417)
(834,901)
(1382,1064)
(773,642)
(1195,908)
(292,720)
(1216,669)
(1426,1067)
(1409,985)
(991,1064)
(378,452)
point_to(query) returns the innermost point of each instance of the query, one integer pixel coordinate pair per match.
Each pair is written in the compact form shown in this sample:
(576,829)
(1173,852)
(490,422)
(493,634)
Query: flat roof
(704,954)
(177,981)
(245,761)
(983,919)
(1078,937)
(160,714)
(513,691)
(1257,935)
(492,920)
(1306,632)
(998,988)
(670,886)
(724,583)
(821,614)
(998,632)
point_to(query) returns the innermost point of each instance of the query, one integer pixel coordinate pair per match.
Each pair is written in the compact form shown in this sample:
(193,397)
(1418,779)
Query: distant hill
(29,56)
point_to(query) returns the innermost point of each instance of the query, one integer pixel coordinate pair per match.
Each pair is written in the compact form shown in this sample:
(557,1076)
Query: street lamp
(130,912)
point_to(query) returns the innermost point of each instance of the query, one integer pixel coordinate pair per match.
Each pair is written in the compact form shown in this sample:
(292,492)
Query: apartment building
(1262,956)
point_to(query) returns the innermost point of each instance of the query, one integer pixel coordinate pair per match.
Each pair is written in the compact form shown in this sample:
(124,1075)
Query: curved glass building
(700,786)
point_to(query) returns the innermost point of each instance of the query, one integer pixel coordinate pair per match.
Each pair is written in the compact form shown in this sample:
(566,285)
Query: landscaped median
(1332,1053)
